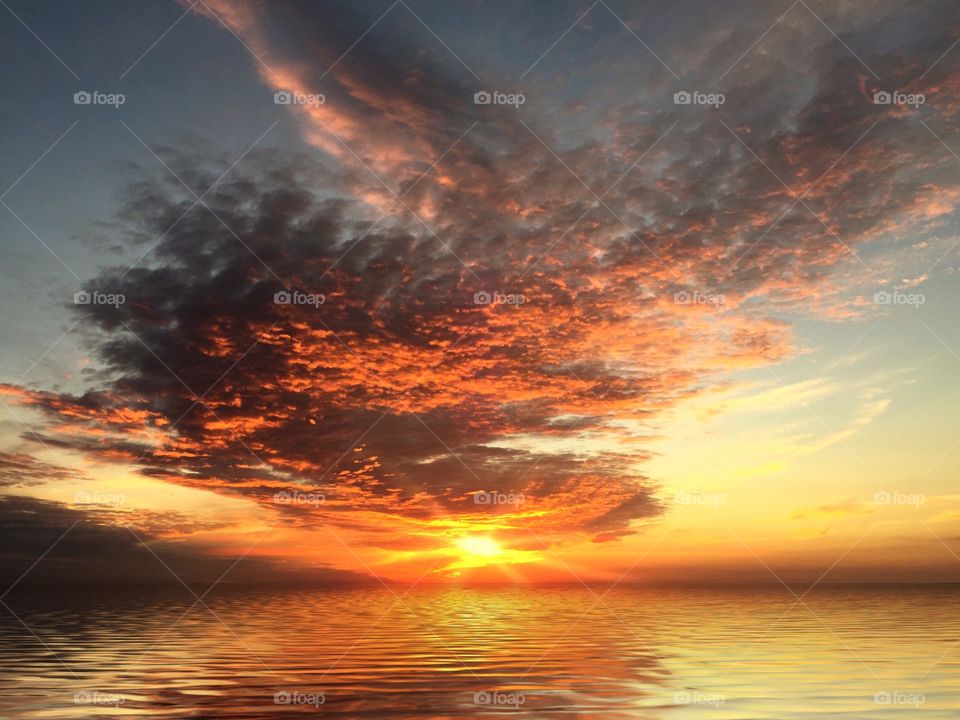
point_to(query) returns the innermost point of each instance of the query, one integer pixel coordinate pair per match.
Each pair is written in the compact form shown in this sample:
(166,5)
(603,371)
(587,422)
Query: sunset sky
(723,343)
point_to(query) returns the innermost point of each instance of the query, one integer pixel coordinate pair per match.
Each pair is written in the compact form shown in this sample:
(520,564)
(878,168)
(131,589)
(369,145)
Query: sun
(479,545)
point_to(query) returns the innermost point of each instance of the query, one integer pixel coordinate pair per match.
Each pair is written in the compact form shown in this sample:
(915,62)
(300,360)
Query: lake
(520,651)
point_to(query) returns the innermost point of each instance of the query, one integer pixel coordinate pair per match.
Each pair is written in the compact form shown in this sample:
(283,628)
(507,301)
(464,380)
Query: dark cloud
(250,394)
(23,469)
(95,548)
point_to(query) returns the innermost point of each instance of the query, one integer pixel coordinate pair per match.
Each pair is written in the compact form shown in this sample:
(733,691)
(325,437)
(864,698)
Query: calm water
(463,653)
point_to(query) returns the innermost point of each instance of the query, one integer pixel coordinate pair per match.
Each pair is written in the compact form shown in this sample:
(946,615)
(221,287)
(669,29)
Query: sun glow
(478,545)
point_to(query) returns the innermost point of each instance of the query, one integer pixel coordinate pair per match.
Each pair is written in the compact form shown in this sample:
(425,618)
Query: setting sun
(476,545)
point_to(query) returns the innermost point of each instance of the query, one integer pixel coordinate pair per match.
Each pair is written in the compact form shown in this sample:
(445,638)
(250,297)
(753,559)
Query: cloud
(23,469)
(387,386)
(386,397)
(831,511)
(95,548)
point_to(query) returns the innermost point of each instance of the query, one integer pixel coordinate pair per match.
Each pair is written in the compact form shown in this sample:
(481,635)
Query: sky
(480,291)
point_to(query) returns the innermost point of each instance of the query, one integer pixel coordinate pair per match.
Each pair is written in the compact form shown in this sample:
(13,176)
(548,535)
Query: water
(531,652)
